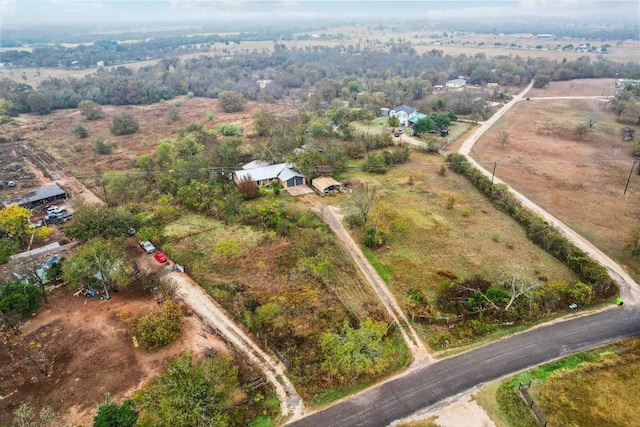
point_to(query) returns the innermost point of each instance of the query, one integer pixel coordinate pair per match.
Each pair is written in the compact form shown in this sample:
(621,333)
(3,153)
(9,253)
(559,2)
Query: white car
(147,246)
(55,209)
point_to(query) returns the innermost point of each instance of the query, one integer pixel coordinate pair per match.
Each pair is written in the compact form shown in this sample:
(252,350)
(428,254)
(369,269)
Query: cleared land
(90,353)
(581,182)
(450,231)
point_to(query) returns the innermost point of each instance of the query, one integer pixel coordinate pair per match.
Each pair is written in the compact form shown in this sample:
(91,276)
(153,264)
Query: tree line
(365,77)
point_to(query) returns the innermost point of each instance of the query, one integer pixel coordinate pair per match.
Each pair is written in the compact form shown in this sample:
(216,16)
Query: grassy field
(579,181)
(580,390)
(288,290)
(449,231)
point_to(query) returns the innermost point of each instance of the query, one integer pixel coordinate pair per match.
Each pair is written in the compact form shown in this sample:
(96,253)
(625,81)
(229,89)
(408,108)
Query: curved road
(425,387)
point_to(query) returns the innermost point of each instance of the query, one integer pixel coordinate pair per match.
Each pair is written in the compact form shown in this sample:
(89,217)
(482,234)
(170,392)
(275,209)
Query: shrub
(159,326)
(248,189)
(18,300)
(90,109)
(228,129)
(231,102)
(102,146)
(79,131)
(111,414)
(210,116)
(124,124)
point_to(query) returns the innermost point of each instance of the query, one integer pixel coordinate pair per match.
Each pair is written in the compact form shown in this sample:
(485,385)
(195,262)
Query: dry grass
(597,388)
(452,230)
(579,182)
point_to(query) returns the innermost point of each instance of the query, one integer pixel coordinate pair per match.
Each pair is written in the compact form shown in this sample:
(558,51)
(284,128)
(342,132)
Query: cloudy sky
(30,12)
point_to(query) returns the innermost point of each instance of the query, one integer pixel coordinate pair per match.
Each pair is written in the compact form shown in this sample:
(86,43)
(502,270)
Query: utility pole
(104,190)
(493,174)
(633,165)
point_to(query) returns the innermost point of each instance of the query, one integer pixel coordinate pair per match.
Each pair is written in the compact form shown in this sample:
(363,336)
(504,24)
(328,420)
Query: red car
(160,257)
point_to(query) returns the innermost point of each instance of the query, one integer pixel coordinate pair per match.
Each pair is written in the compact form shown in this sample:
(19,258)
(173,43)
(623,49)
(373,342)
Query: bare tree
(503,138)
(591,120)
(581,130)
(364,197)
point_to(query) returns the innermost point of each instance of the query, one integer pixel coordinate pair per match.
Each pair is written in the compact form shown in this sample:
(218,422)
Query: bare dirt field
(90,354)
(577,87)
(580,182)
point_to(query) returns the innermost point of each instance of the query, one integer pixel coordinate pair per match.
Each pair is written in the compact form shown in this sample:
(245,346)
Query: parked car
(147,246)
(160,257)
(400,131)
(55,209)
(11,183)
(397,134)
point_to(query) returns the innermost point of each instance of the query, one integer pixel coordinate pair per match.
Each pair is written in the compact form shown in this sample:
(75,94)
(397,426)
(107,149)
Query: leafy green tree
(99,260)
(8,247)
(192,393)
(79,131)
(114,415)
(231,101)
(124,124)
(393,121)
(357,351)
(541,81)
(90,109)
(423,125)
(17,301)
(94,220)
(40,103)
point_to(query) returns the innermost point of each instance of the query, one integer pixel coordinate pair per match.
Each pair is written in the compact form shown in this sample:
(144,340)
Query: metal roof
(42,193)
(323,182)
(405,108)
(281,171)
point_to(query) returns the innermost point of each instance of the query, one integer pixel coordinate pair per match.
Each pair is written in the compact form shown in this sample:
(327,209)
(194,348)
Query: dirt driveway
(215,317)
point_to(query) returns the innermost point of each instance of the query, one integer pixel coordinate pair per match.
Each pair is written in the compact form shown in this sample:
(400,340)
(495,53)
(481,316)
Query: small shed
(384,112)
(326,185)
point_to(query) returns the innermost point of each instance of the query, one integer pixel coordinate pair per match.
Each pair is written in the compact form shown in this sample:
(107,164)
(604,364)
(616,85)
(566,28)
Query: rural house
(257,172)
(456,83)
(403,113)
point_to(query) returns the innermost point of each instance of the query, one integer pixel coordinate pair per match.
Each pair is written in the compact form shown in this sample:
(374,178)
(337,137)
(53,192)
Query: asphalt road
(424,387)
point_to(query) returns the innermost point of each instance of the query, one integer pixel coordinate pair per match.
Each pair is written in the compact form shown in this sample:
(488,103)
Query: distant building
(100,63)
(456,83)
(384,112)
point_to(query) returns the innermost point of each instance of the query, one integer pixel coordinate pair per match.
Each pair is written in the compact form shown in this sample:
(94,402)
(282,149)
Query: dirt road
(629,289)
(331,216)
(214,316)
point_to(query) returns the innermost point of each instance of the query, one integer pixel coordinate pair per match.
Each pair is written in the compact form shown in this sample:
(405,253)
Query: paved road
(425,387)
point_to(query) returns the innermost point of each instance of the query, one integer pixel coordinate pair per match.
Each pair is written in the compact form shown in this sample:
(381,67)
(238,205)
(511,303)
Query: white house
(455,83)
(403,113)
(263,175)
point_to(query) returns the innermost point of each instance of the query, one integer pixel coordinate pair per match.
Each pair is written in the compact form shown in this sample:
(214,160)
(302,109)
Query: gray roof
(281,171)
(405,108)
(255,164)
(42,193)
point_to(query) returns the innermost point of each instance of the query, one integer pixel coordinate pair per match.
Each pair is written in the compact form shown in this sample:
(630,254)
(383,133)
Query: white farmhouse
(403,113)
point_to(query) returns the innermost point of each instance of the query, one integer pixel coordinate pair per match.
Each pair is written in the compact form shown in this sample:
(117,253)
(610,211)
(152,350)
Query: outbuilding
(43,195)
(326,185)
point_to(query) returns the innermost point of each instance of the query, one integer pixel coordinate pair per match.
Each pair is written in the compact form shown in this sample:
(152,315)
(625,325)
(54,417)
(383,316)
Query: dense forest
(368,78)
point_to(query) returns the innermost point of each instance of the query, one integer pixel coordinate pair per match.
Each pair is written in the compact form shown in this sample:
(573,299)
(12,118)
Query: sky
(14,13)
